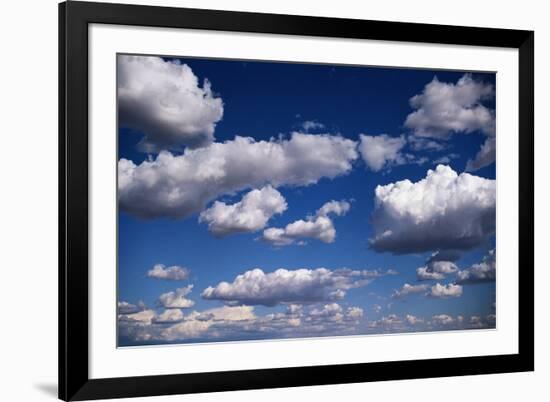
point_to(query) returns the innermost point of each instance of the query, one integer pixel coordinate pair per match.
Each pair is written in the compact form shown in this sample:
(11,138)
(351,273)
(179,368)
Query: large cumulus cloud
(164,101)
(177,186)
(446,108)
(443,109)
(255,287)
(445,210)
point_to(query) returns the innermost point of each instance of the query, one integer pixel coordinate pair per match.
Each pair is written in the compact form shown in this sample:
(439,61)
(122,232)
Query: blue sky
(269,101)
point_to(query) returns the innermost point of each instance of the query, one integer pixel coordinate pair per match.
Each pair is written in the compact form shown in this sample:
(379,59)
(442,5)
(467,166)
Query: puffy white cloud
(484,271)
(169,316)
(408,289)
(177,186)
(173,273)
(435,270)
(484,157)
(248,215)
(442,211)
(318,227)
(177,299)
(255,287)
(382,151)
(164,100)
(445,291)
(446,108)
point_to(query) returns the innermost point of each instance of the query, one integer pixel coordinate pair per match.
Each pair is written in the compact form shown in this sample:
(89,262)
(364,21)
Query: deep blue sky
(264,100)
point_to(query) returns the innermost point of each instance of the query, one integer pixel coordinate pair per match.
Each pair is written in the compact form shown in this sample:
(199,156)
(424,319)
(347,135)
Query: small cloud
(177,299)
(320,226)
(445,291)
(485,271)
(309,126)
(248,215)
(408,289)
(173,273)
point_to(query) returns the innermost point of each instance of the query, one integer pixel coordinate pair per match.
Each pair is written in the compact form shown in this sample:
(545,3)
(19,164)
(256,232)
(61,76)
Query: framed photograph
(257,201)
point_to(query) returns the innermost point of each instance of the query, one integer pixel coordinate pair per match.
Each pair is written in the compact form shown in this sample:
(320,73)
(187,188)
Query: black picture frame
(74,381)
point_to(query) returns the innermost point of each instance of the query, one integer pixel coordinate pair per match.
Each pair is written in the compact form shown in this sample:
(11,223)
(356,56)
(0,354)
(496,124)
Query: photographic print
(265,200)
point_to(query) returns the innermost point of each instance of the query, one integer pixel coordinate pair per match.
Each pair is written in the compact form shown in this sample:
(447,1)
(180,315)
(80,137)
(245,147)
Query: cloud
(177,299)
(446,108)
(124,307)
(445,291)
(484,271)
(479,322)
(241,322)
(248,215)
(318,227)
(425,144)
(435,270)
(144,317)
(169,316)
(377,308)
(255,287)
(389,322)
(334,312)
(309,126)
(408,289)
(442,320)
(382,151)
(485,156)
(338,208)
(177,186)
(164,101)
(443,109)
(173,273)
(413,320)
(443,211)
(445,255)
